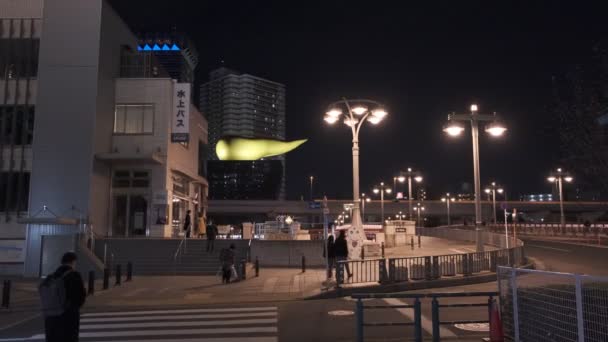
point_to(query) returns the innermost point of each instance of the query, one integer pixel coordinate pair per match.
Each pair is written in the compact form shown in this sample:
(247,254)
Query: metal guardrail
(551,306)
(417,306)
(389,270)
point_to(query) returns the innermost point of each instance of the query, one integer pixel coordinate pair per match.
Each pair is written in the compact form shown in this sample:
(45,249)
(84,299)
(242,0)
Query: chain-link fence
(551,306)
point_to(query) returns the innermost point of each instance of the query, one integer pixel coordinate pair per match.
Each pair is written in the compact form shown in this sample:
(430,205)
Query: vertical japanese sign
(180,130)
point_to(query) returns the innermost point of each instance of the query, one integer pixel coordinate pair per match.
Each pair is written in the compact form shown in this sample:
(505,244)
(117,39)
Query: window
(131,179)
(134,119)
(14,187)
(19,129)
(20,58)
(180,185)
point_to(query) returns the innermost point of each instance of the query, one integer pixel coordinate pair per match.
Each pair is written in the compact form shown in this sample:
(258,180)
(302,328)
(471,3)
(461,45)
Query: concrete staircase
(156,256)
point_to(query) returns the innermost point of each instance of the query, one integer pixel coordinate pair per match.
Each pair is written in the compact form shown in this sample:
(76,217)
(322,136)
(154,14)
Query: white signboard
(180,130)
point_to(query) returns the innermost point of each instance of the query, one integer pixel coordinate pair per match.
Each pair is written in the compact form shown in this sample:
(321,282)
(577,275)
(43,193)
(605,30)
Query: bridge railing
(554,229)
(426,268)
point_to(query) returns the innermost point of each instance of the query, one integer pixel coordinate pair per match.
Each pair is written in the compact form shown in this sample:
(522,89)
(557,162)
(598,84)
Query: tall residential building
(246,106)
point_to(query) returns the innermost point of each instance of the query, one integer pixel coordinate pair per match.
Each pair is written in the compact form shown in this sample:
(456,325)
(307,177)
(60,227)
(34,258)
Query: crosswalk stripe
(175,317)
(208,331)
(217,339)
(177,324)
(178,311)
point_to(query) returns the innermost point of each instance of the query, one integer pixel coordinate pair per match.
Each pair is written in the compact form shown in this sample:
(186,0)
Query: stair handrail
(181,243)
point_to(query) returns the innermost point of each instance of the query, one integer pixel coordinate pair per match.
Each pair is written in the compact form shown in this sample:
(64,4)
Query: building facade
(246,106)
(83,140)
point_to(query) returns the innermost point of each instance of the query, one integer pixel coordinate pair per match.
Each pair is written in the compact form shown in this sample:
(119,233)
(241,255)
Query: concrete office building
(82,143)
(246,106)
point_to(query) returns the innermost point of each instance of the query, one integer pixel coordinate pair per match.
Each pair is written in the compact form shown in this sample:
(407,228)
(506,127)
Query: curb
(409,286)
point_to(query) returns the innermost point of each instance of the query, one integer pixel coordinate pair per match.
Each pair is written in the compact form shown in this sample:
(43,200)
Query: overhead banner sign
(180,128)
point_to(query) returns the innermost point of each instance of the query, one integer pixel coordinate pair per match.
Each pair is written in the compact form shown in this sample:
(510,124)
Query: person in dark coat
(211,232)
(341,251)
(65,327)
(228,259)
(187,224)
(331,256)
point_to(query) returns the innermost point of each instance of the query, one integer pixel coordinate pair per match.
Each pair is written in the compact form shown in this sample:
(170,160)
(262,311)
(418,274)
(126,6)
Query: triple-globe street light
(492,189)
(455,127)
(409,175)
(381,189)
(447,199)
(355,112)
(559,177)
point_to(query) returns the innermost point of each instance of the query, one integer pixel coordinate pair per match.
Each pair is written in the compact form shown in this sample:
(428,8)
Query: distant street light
(418,208)
(409,175)
(455,127)
(447,199)
(558,177)
(358,111)
(493,189)
(381,190)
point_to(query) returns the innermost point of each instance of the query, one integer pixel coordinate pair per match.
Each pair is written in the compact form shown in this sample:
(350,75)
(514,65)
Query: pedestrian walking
(331,256)
(62,294)
(211,232)
(227,258)
(341,251)
(187,224)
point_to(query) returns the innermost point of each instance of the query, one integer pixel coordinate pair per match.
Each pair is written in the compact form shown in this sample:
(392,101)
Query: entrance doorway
(130,215)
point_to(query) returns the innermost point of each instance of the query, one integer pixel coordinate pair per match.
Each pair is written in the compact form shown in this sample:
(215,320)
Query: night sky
(422,60)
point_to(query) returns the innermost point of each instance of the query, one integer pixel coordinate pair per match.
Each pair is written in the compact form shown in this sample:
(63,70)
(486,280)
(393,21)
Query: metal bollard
(419,244)
(303,264)
(106,278)
(118,275)
(257,267)
(382,246)
(129,271)
(412,242)
(91,289)
(6,294)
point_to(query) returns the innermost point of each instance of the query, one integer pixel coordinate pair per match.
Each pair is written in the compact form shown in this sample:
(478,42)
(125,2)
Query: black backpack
(53,297)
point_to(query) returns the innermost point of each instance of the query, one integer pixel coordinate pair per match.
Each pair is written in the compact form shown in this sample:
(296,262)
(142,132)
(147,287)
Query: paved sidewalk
(273,284)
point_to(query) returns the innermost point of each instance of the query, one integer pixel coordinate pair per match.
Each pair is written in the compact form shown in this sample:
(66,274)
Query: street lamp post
(358,111)
(409,175)
(418,208)
(493,189)
(447,199)
(312,179)
(454,127)
(381,190)
(559,177)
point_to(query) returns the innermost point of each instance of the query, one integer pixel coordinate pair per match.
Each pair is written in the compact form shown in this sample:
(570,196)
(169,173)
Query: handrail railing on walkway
(417,323)
(426,268)
(178,252)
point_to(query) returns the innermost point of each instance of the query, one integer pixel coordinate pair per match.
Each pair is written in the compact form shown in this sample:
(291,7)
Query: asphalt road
(570,258)
(309,320)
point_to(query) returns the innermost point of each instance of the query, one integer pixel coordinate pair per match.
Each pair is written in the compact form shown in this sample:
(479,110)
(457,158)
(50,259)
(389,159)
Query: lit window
(134,119)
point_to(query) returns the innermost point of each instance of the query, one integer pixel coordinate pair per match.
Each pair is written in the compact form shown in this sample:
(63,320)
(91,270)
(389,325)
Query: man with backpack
(62,294)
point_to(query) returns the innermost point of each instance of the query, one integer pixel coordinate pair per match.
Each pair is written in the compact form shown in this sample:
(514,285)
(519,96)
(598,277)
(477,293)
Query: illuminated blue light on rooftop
(174,48)
(166,47)
(156,47)
(147,48)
